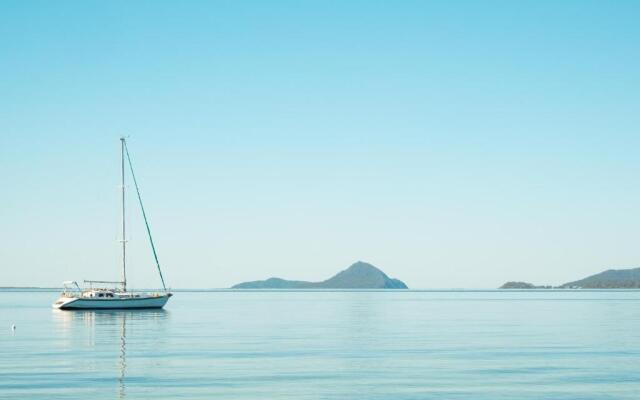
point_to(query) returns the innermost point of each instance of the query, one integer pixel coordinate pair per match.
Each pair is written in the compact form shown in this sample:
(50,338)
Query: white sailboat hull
(142,302)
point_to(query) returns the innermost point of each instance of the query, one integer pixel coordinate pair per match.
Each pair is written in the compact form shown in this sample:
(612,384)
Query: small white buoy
(13,327)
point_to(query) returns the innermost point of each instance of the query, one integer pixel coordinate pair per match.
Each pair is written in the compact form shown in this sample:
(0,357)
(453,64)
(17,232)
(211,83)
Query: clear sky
(451,144)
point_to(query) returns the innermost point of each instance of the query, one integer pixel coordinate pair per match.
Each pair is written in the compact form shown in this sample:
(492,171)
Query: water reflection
(123,357)
(102,327)
(67,319)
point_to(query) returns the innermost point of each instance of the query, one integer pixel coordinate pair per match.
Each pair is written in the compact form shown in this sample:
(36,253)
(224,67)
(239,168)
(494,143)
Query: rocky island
(360,275)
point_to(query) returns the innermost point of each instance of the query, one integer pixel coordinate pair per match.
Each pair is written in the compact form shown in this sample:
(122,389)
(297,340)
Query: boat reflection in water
(97,332)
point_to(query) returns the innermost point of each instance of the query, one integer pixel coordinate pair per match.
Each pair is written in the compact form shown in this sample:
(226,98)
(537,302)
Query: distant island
(522,285)
(360,275)
(609,279)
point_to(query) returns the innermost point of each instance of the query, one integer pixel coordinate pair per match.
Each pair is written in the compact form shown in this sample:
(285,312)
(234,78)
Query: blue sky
(452,144)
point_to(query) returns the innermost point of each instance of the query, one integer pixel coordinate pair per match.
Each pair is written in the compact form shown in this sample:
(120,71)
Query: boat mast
(124,240)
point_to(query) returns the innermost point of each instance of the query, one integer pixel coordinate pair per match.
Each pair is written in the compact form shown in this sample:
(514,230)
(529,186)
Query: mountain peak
(360,275)
(361,265)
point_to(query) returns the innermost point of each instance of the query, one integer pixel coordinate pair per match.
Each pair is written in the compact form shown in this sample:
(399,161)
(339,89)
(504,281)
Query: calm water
(328,345)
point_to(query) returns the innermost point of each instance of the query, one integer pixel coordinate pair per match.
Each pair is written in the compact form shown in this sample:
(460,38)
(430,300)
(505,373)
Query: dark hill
(358,276)
(610,279)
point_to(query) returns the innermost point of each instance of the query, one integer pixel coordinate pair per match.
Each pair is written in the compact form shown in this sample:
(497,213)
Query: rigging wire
(144,215)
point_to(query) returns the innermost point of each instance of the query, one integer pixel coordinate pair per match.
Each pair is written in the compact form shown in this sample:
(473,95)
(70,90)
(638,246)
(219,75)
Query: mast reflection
(123,357)
(100,328)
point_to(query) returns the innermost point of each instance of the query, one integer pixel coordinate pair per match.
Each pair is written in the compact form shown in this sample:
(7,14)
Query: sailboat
(97,296)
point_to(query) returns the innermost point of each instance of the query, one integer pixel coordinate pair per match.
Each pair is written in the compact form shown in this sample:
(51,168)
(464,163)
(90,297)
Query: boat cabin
(104,293)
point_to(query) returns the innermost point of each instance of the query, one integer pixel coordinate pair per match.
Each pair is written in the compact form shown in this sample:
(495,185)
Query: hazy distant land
(610,279)
(522,285)
(360,275)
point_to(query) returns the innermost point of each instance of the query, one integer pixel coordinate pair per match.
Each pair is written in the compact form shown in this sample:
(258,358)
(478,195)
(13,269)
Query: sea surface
(327,345)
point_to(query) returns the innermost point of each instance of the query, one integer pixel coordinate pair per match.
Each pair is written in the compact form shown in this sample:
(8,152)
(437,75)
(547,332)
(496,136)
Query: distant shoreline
(459,290)
(626,278)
